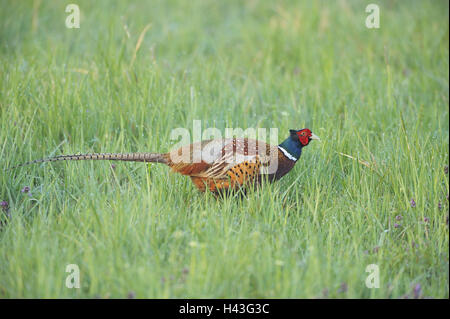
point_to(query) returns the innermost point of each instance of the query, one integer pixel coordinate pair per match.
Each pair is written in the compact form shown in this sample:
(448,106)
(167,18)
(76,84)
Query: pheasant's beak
(314,137)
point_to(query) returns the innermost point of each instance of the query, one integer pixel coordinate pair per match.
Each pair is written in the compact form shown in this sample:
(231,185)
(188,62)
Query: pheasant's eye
(302,133)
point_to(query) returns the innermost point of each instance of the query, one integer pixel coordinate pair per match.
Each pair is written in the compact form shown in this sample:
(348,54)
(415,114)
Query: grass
(380,96)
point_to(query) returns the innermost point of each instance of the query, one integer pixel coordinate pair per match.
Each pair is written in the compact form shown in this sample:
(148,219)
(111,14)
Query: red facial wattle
(303,136)
(304,140)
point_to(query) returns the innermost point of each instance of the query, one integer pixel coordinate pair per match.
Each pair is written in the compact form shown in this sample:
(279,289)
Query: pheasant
(220,164)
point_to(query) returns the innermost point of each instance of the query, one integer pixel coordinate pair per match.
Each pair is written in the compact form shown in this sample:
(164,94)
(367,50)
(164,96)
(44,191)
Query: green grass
(379,95)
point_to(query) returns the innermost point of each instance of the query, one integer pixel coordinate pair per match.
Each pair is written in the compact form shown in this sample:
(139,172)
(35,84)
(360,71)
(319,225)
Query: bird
(219,165)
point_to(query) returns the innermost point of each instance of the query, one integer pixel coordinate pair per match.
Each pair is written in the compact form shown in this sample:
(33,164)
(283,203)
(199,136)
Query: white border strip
(292,158)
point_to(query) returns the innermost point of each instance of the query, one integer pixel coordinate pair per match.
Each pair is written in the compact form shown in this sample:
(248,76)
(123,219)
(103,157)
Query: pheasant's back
(230,150)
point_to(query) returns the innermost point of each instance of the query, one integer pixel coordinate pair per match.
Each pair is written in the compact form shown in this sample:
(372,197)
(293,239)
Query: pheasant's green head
(303,136)
(292,146)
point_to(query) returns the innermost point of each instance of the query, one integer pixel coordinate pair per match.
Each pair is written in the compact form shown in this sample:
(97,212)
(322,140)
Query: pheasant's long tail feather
(130,157)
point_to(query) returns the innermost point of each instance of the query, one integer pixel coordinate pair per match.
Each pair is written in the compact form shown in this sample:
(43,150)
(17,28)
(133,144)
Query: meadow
(135,70)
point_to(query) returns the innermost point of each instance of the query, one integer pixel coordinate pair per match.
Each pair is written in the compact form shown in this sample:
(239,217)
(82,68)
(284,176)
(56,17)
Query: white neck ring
(286,153)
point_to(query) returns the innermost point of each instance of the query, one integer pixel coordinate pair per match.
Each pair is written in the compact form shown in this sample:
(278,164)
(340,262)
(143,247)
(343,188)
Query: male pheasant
(220,164)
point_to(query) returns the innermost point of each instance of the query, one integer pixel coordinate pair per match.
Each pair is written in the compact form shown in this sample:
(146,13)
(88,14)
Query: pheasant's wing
(223,163)
(240,157)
